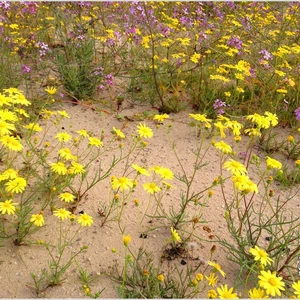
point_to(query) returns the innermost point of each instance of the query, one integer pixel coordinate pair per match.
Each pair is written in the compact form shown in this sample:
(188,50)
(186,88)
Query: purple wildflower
(266,54)
(98,71)
(109,79)
(297,113)
(235,42)
(25,69)
(219,106)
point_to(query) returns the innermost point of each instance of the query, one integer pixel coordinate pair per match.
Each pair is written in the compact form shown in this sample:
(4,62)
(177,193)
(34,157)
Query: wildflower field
(149,150)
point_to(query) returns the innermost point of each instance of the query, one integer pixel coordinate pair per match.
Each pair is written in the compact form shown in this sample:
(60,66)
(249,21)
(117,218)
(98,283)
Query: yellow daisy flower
(140,170)
(63,137)
(11,143)
(201,118)
(59,168)
(257,294)
(260,255)
(212,294)
(93,141)
(122,183)
(160,118)
(151,187)
(225,148)
(51,90)
(144,131)
(16,185)
(217,267)
(119,133)
(9,174)
(67,197)
(7,207)
(6,128)
(76,168)
(212,279)
(271,283)
(273,163)
(175,235)
(82,132)
(85,220)
(37,220)
(161,277)
(296,287)
(224,293)
(165,173)
(235,167)
(63,113)
(33,127)
(62,214)
(126,239)
(66,154)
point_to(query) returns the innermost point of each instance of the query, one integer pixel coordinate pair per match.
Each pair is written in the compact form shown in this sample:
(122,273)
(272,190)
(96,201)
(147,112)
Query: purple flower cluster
(98,71)
(266,54)
(25,69)
(235,41)
(219,106)
(297,113)
(109,79)
(43,49)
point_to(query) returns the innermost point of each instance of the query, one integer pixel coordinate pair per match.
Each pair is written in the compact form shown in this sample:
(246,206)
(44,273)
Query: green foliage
(77,70)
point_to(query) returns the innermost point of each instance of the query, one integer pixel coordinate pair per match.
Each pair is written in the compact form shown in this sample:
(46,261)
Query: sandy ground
(18,262)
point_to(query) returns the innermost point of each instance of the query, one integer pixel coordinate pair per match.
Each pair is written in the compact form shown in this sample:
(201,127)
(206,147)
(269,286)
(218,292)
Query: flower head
(257,294)
(225,148)
(165,173)
(271,283)
(260,255)
(200,118)
(216,267)
(296,287)
(11,143)
(66,154)
(6,128)
(235,167)
(122,183)
(62,213)
(59,168)
(63,137)
(37,220)
(67,197)
(273,163)
(16,185)
(224,293)
(33,127)
(140,170)
(212,279)
(7,207)
(76,168)
(144,131)
(82,132)
(160,118)
(175,235)
(93,141)
(151,187)
(212,294)
(51,90)
(161,277)
(119,133)
(63,113)
(85,220)
(126,239)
